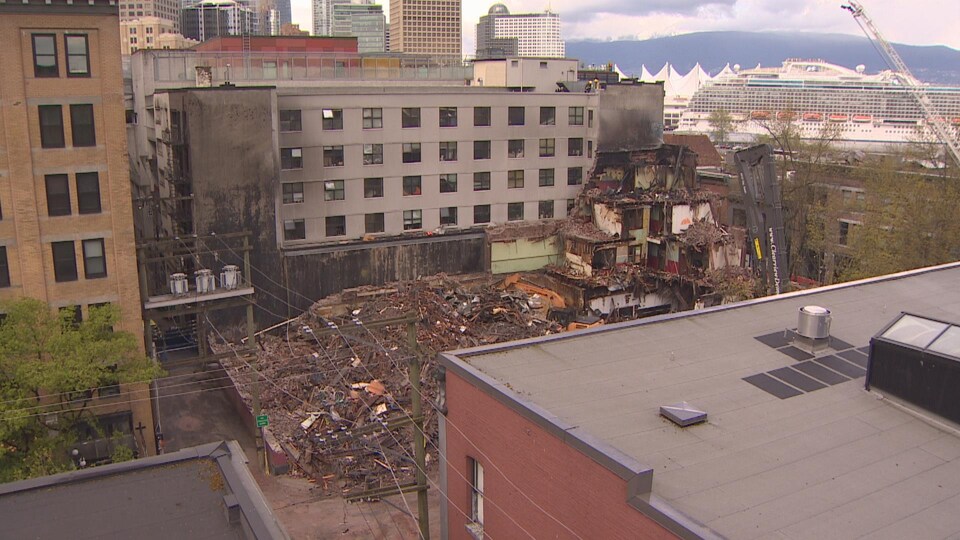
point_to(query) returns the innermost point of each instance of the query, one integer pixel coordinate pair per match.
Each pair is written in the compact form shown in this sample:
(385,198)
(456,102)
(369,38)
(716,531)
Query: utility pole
(419,440)
(254,359)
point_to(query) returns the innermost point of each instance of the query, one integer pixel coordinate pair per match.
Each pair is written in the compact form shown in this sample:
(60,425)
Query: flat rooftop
(200,492)
(831,461)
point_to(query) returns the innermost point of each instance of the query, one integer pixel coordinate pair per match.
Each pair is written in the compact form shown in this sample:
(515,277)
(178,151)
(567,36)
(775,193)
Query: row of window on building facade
(410,117)
(65,261)
(46,61)
(291,158)
(295,229)
(335,190)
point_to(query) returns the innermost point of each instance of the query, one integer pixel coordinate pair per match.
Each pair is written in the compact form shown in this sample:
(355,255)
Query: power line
(432,404)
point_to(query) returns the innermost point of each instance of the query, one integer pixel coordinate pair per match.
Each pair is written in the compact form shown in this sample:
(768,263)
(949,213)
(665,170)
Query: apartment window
(64,261)
(372,188)
(290,121)
(590,149)
(481,213)
(72,316)
(81,125)
(294,229)
(333,190)
(293,193)
(481,116)
(412,219)
(574,176)
(545,210)
(332,119)
(846,227)
(543,65)
(575,116)
(45,55)
(571,204)
(546,177)
(412,185)
(333,156)
(94,259)
(515,116)
(78,56)
(448,151)
(4,268)
(372,118)
(291,158)
(515,148)
(548,116)
(410,117)
(481,181)
(51,126)
(515,179)
(590,118)
(448,117)
(574,147)
(411,152)
(448,215)
(515,211)
(373,154)
(58,194)
(448,183)
(336,225)
(88,193)
(373,223)
(481,149)
(548,147)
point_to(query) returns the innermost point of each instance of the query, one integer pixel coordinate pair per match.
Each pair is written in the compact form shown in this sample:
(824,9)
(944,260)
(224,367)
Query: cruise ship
(818,97)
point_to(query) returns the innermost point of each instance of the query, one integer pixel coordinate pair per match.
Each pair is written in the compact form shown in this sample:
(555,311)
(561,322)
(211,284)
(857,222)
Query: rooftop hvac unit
(205,281)
(814,322)
(178,284)
(230,277)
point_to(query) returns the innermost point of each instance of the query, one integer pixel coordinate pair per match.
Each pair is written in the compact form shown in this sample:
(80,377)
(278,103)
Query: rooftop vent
(683,414)
(917,359)
(813,329)
(814,322)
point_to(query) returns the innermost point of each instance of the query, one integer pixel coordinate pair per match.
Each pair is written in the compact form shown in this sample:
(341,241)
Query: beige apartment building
(66,228)
(430,27)
(168,10)
(151,33)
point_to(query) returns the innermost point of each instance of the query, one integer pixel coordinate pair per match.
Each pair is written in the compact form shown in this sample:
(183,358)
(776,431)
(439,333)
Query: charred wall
(231,142)
(631,117)
(321,272)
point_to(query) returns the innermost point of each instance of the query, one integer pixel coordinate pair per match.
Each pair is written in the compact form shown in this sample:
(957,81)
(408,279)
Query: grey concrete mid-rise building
(390,161)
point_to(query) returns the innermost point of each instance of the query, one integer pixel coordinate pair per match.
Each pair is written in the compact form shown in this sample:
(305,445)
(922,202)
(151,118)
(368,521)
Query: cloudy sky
(916,22)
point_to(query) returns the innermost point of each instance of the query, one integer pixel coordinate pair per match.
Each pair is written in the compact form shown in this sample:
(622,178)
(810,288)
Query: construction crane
(937,122)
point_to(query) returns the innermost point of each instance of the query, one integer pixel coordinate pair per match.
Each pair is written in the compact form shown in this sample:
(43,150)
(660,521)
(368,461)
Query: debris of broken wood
(339,402)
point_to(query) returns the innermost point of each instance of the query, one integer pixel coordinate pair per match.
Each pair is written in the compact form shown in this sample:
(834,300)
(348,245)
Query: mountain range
(714,50)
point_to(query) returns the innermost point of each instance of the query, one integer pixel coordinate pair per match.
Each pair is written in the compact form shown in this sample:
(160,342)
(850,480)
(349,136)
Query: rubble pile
(703,233)
(337,391)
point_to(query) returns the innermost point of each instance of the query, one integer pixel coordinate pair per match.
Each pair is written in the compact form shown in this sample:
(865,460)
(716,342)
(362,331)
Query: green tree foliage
(721,124)
(48,367)
(802,163)
(909,221)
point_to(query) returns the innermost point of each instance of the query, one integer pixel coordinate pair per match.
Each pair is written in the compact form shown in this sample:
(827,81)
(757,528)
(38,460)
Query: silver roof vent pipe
(813,328)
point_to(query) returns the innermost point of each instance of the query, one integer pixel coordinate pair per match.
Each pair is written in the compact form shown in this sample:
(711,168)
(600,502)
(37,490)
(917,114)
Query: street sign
(263,421)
